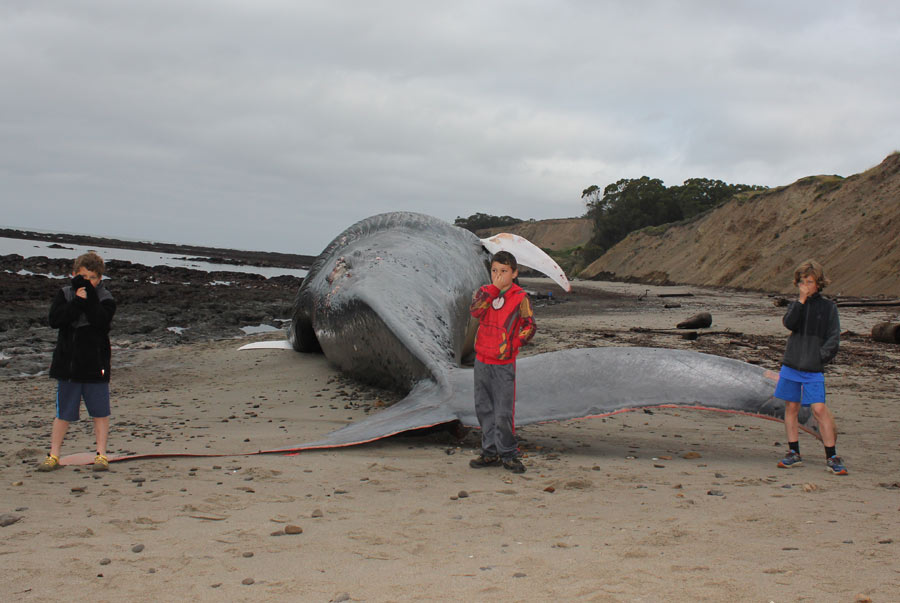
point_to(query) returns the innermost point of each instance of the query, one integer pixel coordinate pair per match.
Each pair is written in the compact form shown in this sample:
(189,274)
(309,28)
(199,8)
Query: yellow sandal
(50,463)
(101,463)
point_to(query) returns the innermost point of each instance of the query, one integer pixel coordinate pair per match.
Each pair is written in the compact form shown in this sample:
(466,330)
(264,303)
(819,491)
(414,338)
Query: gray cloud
(273,125)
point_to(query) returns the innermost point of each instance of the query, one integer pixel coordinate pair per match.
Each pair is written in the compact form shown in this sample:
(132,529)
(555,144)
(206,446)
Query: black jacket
(815,334)
(82,350)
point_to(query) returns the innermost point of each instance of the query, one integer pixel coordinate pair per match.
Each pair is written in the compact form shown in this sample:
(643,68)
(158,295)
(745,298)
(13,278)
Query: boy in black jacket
(82,312)
(815,336)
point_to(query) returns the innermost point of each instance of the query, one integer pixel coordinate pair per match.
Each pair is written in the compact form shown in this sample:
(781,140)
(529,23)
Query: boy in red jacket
(506,323)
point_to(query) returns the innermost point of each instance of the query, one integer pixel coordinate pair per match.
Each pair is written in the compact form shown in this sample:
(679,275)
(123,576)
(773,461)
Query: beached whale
(388,302)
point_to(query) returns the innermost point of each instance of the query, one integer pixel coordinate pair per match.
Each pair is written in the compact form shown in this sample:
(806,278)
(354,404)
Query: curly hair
(814,269)
(89,260)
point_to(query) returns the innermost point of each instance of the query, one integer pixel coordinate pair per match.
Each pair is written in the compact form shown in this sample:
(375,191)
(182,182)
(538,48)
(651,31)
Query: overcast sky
(273,125)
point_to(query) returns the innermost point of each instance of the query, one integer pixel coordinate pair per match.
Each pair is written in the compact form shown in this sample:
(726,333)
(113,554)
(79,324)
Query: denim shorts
(797,391)
(70,393)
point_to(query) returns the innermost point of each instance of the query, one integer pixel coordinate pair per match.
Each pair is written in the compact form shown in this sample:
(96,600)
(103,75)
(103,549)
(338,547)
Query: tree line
(634,203)
(480,220)
(631,204)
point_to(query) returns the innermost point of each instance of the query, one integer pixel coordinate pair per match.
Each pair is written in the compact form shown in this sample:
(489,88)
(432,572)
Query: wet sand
(669,506)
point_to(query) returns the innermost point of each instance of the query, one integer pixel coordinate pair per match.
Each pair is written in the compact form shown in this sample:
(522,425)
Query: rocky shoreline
(214,255)
(157,306)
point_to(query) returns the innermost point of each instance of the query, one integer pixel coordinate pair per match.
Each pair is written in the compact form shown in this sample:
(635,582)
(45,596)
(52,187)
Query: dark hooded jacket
(815,334)
(82,350)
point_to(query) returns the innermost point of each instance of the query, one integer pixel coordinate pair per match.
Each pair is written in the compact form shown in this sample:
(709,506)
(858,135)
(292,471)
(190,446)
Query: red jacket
(502,331)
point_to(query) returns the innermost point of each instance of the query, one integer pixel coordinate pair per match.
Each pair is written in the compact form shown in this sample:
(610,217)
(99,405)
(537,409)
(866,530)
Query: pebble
(810,487)
(247,555)
(691,455)
(7,519)
(78,489)
(341,598)
(340,491)
(886,541)
(277,533)
(519,575)
(550,489)
(17,483)
(137,548)
(105,561)
(292,529)
(861,598)
(463,494)
(247,581)
(715,493)
(317,513)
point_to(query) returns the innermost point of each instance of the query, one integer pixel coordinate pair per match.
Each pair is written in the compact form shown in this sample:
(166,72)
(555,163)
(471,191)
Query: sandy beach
(671,505)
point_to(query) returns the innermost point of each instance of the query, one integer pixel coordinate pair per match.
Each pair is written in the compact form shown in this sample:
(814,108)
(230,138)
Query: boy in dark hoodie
(813,343)
(506,323)
(82,311)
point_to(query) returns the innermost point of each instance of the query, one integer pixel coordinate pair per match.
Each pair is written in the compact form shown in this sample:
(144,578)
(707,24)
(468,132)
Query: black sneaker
(514,465)
(483,461)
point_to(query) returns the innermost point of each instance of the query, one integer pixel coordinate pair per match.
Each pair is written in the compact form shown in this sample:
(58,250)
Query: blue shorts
(70,393)
(806,391)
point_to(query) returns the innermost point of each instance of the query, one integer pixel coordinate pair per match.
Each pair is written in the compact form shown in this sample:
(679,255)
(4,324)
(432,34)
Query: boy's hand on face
(807,286)
(83,279)
(502,276)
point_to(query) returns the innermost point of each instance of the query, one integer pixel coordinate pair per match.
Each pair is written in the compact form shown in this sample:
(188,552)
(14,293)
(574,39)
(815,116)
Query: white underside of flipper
(279,344)
(527,254)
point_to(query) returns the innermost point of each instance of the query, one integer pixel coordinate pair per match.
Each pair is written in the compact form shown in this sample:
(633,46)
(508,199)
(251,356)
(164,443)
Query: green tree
(697,195)
(631,204)
(627,205)
(480,220)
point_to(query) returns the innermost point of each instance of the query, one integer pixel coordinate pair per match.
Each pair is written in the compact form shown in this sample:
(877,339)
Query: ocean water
(28,248)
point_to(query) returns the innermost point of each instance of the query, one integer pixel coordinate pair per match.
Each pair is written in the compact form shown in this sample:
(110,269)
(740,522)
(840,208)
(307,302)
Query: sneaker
(514,465)
(792,459)
(101,463)
(836,466)
(484,461)
(50,463)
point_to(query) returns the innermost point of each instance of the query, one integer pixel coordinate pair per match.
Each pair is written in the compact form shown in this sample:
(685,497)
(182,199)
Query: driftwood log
(886,332)
(868,304)
(697,321)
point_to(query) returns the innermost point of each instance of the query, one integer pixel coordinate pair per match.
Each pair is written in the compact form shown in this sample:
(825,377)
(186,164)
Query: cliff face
(851,225)
(556,235)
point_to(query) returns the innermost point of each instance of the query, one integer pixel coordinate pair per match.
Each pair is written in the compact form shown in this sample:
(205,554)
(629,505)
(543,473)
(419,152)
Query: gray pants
(495,405)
